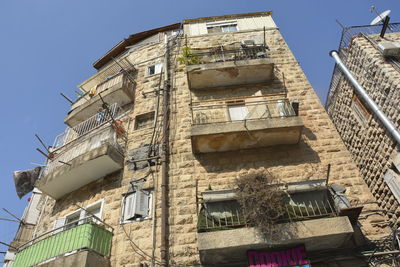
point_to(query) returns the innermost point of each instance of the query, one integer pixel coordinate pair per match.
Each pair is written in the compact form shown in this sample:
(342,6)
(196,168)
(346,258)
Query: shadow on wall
(276,86)
(280,155)
(109,182)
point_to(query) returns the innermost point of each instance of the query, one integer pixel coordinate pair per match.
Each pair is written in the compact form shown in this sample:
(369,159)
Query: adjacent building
(145,173)
(373,60)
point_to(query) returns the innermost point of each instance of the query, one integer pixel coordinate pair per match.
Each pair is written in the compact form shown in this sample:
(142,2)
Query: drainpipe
(367,99)
(164,162)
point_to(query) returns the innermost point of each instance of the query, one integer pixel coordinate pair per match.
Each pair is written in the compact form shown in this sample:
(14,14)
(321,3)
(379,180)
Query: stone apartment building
(146,172)
(374,62)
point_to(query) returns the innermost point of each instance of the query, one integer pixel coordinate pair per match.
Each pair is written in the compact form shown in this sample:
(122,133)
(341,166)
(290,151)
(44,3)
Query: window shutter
(59,223)
(158,68)
(129,206)
(392,180)
(142,203)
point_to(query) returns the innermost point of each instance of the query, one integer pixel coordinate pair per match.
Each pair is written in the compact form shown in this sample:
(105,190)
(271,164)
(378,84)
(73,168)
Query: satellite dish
(381,17)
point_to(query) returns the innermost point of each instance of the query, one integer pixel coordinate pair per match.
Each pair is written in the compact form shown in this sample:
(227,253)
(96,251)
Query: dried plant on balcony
(261,197)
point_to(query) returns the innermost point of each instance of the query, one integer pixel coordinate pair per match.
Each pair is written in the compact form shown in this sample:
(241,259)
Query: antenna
(380,17)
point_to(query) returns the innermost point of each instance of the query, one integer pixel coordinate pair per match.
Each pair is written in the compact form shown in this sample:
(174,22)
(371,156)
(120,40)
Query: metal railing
(295,210)
(114,68)
(230,218)
(230,53)
(73,149)
(248,109)
(124,78)
(348,34)
(85,127)
(89,233)
(308,209)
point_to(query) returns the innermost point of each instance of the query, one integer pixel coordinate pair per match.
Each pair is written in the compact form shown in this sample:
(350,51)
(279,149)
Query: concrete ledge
(121,93)
(217,74)
(83,258)
(238,135)
(223,247)
(82,170)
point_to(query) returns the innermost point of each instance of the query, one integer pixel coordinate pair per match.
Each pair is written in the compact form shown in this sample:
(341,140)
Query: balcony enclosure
(227,125)
(81,155)
(229,65)
(311,219)
(85,243)
(114,83)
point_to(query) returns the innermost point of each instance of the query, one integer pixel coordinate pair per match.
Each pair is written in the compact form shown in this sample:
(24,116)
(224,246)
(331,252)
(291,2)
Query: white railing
(92,123)
(62,156)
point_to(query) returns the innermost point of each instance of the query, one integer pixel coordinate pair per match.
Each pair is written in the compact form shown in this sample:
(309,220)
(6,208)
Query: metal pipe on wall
(390,127)
(164,163)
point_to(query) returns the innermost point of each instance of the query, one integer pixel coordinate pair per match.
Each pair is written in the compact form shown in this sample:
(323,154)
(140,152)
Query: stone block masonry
(136,242)
(371,147)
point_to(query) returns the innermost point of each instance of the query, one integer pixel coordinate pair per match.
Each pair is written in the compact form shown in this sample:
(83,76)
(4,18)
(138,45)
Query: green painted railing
(90,236)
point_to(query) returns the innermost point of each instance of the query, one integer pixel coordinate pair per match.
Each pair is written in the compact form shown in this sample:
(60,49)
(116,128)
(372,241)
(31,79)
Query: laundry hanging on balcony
(25,180)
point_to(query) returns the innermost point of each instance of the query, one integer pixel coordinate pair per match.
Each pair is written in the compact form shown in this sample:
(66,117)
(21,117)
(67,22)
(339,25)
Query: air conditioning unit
(136,205)
(390,49)
(247,43)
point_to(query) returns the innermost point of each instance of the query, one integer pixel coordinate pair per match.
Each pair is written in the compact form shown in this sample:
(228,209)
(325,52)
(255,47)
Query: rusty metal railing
(233,53)
(247,109)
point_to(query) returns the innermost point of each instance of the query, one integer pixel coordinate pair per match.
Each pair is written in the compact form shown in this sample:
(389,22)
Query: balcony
(118,88)
(248,123)
(225,236)
(87,244)
(81,155)
(230,65)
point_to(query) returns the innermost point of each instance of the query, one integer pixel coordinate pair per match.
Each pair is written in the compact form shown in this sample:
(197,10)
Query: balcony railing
(243,110)
(88,233)
(114,69)
(230,53)
(299,207)
(80,146)
(85,127)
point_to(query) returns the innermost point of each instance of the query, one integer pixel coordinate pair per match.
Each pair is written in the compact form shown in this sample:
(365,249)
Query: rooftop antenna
(381,17)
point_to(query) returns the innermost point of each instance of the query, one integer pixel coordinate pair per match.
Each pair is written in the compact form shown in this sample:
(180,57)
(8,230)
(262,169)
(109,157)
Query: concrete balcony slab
(119,90)
(230,246)
(235,135)
(228,73)
(84,169)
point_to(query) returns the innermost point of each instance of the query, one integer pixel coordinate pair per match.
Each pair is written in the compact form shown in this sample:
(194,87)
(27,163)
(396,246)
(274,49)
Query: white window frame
(158,67)
(82,214)
(150,208)
(221,25)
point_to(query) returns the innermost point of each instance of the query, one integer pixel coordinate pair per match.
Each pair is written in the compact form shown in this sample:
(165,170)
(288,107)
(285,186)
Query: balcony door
(237,111)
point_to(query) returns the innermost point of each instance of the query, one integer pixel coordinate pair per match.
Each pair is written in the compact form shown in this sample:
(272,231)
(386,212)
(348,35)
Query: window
(145,120)
(136,206)
(237,111)
(154,69)
(222,27)
(78,217)
(359,110)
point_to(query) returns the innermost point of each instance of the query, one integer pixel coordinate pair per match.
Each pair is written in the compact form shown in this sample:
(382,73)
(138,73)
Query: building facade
(376,67)
(146,172)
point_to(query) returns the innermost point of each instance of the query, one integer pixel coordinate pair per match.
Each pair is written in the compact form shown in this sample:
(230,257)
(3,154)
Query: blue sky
(48,46)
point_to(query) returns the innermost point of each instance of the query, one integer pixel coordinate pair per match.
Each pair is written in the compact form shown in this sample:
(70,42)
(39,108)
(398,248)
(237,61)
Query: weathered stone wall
(371,146)
(320,145)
